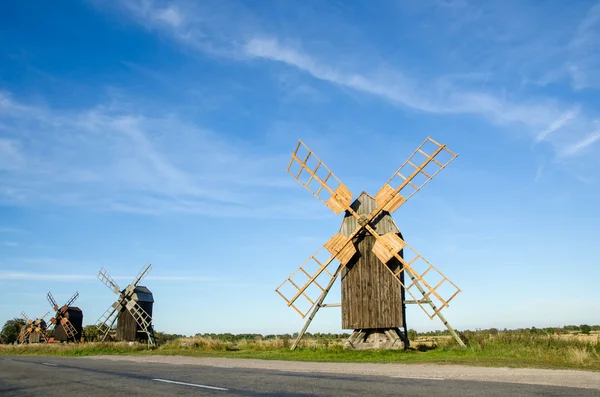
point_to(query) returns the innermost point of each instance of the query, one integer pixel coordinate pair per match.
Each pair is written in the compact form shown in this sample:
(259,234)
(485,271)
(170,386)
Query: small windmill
(133,309)
(34,331)
(67,320)
(372,254)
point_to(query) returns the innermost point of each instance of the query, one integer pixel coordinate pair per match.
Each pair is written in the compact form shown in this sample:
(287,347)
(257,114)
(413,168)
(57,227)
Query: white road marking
(50,364)
(416,377)
(190,384)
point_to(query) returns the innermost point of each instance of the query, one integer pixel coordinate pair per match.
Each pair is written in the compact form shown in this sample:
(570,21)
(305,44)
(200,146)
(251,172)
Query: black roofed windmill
(34,331)
(132,310)
(67,320)
(372,254)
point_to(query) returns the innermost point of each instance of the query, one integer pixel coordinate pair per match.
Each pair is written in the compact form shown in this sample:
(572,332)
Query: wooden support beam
(318,305)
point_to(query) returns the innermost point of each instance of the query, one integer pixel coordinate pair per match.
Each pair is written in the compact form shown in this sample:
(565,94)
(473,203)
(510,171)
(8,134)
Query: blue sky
(159,131)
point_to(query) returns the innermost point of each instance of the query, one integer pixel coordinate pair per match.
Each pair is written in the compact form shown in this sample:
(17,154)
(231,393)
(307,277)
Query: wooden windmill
(372,256)
(34,331)
(67,320)
(132,309)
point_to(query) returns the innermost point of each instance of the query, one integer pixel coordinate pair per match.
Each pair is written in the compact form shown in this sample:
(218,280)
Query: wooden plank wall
(371,298)
(127,327)
(75,316)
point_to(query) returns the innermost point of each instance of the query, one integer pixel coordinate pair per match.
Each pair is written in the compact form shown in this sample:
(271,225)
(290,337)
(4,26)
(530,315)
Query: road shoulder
(546,377)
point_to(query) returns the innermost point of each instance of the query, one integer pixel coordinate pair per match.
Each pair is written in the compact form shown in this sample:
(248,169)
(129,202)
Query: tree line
(12,328)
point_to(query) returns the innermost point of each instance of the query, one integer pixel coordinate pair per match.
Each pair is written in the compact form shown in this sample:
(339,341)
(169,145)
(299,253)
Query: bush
(585,329)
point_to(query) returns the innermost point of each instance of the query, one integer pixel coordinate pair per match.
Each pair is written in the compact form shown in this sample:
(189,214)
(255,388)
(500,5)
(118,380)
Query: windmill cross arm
(108,280)
(408,179)
(73,299)
(388,246)
(52,301)
(317,178)
(142,274)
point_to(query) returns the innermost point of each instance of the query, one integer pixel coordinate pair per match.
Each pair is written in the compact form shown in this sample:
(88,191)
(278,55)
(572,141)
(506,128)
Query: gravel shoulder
(547,377)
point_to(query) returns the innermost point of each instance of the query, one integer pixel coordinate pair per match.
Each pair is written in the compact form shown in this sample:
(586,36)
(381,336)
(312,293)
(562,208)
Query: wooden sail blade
(425,162)
(387,246)
(429,287)
(70,331)
(25,316)
(305,285)
(140,316)
(52,301)
(108,281)
(315,176)
(341,247)
(107,320)
(73,299)
(142,274)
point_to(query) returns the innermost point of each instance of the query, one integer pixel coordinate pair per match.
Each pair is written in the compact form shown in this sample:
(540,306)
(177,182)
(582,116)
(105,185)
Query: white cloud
(584,62)
(119,160)
(10,155)
(448,99)
(70,277)
(557,124)
(171,16)
(210,31)
(580,146)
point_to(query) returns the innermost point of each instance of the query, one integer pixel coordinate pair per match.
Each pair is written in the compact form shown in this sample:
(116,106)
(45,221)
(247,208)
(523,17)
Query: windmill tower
(377,267)
(67,320)
(132,310)
(34,331)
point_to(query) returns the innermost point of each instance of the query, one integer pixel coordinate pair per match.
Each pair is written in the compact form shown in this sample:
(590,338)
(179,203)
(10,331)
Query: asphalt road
(57,376)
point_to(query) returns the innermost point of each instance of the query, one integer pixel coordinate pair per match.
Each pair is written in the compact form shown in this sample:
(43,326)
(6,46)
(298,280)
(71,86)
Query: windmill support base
(377,338)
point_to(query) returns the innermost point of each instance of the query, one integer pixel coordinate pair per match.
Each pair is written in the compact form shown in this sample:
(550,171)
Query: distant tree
(585,329)
(412,334)
(90,333)
(11,329)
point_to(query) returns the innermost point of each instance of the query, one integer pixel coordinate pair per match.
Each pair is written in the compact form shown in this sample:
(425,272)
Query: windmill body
(38,333)
(377,267)
(33,331)
(67,320)
(75,316)
(372,300)
(127,328)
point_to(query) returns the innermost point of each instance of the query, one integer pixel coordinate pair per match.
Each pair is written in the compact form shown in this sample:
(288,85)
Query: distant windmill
(132,309)
(67,320)
(372,254)
(34,331)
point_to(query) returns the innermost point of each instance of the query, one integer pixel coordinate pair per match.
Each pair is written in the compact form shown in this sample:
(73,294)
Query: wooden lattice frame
(326,187)
(301,272)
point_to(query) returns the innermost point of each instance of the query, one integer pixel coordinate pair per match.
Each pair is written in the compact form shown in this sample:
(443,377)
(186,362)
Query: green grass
(505,350)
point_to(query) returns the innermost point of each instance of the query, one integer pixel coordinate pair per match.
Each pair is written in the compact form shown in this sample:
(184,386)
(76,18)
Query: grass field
(505,349)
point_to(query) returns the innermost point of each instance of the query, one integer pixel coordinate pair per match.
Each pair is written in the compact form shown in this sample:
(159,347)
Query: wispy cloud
(8,230)
(584,62)
(114,158)
(69,277)
(557,124)
(450,99)
(534,115)
(582,145)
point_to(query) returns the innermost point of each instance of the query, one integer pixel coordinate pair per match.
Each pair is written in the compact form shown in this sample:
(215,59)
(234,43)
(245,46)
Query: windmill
(371,254)
(132,309)
(67,320)
(34,331)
